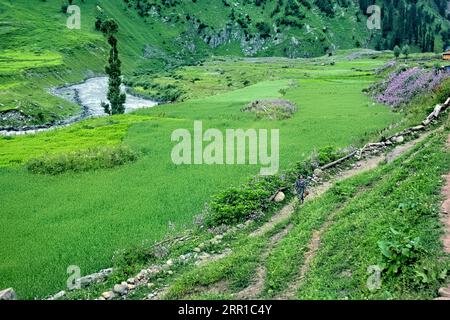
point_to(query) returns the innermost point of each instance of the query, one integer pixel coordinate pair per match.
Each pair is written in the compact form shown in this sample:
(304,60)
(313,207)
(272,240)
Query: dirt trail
(314,245)
(446,208)
(444,293)
(361,167)
(286,212)
(257,286)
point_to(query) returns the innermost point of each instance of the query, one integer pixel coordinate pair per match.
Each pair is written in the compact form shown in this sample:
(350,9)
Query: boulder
(399,139)
(280,197)
(418,128)
(120,289)
(318,173)
(444,292)
(108,295)
(8,294)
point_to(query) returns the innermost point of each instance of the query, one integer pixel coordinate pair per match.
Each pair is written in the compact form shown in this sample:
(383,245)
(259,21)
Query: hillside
(368,230)
(159,35)
(191,190)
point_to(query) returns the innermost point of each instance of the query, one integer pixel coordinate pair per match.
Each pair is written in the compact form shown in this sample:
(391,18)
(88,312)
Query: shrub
(397,51)
(305,168)
(400,254)
(327,155)
(405,51)
(251,200)
(238,204)
(403,85)
(271,109)
(81,161)
(443,91)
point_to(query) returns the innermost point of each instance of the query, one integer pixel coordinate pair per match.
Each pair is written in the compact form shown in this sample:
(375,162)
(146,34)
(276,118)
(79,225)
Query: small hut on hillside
(446,54)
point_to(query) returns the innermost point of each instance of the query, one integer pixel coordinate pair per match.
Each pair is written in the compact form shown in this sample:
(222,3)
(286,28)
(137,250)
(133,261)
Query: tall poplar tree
(113,70)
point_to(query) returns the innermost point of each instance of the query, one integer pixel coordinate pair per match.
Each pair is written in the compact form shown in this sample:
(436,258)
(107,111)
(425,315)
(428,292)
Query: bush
(397,51)
(236,205)
(271,109)
(304,168)
(443,91)
(327,155)
(404,85)
(81,161)
(251,200)
(399,255)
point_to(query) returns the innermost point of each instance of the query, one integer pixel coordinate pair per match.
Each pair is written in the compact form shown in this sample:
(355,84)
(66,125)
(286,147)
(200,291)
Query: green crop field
(99,192)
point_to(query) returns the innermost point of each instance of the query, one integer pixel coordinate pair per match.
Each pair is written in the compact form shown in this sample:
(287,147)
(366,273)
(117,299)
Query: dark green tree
(397,51)
(406,51)
(113,70)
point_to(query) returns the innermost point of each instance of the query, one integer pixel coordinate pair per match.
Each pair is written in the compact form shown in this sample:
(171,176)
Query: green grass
(15,61)
(85,218)
(38,52)
(48,223)
(237,270)
(407,200)
(403,195)
(40,29)
(81,136)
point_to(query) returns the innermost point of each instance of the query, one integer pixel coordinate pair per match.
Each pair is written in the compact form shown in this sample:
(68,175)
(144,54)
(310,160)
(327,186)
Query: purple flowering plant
(403,85)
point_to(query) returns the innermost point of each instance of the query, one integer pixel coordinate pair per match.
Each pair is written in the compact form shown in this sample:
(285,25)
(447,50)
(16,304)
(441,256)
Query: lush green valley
(79,189)
(157,36)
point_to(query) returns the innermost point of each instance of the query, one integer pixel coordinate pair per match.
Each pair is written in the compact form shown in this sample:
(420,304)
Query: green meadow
(51,222)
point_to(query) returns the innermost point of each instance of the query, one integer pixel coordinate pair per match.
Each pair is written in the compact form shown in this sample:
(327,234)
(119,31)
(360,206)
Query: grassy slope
(40,30)
(53,222)
(57,55)
(403,195)
(407,199)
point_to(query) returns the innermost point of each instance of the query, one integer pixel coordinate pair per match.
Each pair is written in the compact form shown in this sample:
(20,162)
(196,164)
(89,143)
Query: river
(89,95)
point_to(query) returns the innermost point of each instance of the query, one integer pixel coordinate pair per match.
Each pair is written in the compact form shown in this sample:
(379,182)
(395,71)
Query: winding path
(257,286)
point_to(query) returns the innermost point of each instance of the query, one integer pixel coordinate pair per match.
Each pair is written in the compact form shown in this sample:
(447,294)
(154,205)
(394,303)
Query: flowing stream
(89,95)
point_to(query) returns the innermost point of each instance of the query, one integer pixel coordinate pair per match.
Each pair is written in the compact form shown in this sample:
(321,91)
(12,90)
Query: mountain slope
(158,35)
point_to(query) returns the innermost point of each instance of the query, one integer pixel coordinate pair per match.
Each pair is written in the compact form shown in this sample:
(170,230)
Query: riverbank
(89,95)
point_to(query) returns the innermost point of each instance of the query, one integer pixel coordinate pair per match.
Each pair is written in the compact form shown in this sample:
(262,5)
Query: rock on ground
(8,294)
(280,197)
